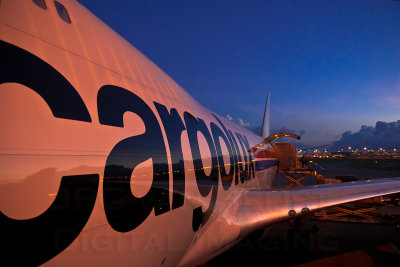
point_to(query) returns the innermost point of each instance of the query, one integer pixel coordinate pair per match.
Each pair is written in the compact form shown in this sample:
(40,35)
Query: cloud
(242,123)
(256,129)
(238,121)
(384,134)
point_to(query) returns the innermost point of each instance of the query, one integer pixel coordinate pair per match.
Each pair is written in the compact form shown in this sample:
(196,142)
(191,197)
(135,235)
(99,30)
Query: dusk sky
(331,66)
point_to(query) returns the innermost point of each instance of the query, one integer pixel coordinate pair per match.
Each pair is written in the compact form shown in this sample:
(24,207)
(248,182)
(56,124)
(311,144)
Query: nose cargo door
(287,156)
(287,159)
(289,165)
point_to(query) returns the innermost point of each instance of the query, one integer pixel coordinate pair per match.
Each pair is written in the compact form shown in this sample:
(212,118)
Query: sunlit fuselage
(104,158)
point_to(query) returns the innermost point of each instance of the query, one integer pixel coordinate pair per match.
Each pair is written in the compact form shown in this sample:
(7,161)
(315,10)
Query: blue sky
(331,65)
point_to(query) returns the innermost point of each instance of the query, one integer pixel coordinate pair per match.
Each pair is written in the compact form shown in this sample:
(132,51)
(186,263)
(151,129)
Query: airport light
(365,148)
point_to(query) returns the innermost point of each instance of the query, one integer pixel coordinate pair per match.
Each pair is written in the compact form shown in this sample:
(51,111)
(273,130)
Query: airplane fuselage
(104,158)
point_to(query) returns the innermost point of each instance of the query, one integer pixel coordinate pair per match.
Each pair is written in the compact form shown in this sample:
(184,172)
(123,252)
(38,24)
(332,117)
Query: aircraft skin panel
(104,159)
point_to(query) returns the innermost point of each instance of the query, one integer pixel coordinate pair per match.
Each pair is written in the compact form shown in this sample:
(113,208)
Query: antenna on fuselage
(265,130)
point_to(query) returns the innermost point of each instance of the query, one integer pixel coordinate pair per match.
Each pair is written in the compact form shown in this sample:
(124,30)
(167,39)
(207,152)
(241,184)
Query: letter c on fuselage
(36,240)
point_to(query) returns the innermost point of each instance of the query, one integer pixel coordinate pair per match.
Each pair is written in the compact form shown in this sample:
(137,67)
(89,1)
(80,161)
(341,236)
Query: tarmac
(307,242)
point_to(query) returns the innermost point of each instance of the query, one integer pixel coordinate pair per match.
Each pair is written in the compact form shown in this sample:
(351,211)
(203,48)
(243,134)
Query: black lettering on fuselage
(239,157)
(43,237)
(174,127)
(20,66)
(235,153)
(252,172)
(124,211)
(226,178)
(36,240)
(246,162)
(205,183)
